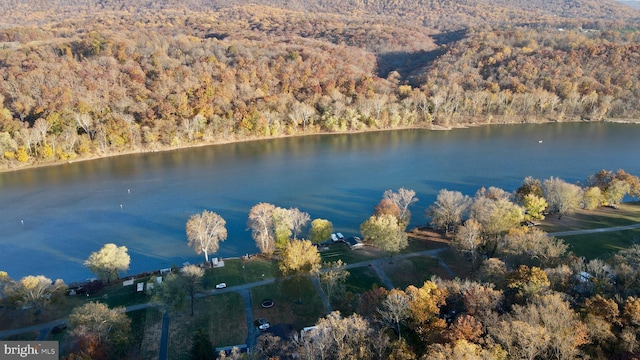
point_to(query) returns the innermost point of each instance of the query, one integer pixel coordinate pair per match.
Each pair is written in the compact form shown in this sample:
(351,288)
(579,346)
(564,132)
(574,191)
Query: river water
(52,218)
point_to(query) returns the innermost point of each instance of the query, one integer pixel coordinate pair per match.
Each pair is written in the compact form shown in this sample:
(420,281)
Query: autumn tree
(592,198)
(100,331)
(531,246)
(205,231)
(449,209)
(564,331)
(497,215)
(385,233)
(563,198)
(299,257)
(534,207)
(424,304)
(108,262)
(528,281)
(261,225)
(387,206)
(321,230)
(403,199)
(529,186)
(464,349)
(370,301)
(35,292)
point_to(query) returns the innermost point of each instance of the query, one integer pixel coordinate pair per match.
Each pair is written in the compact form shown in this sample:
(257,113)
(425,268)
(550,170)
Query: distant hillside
(440,14)
(88,78)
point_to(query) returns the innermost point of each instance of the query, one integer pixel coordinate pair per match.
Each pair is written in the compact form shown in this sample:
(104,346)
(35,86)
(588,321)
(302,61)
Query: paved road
(44,328)
(594,231)
(252,332)
(323,296)
(164,337)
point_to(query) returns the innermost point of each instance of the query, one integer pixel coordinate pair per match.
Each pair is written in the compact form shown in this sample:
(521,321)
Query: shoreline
(235,140)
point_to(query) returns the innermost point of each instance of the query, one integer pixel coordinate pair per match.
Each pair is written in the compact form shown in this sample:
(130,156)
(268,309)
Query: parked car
(340,236)
(334,238)
(264,327)
(221,286)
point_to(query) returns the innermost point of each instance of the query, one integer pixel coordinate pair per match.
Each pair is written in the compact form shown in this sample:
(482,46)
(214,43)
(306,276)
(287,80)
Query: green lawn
(598,245)
(601,245)
(141,320)
(362,279)
(296,302)
(222,316)
(115,294)
(411,271)
(625,214)
(238,271)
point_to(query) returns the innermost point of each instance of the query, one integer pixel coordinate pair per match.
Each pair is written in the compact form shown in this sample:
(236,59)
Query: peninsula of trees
(92,78)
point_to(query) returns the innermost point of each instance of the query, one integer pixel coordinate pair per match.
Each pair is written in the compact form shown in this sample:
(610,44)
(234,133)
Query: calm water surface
(73,209)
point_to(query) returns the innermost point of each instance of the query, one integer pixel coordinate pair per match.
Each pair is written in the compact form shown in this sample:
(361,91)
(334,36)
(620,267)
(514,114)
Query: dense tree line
(114,78)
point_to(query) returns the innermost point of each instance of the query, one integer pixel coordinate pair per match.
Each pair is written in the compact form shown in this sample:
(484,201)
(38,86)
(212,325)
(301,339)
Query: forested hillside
(91,78)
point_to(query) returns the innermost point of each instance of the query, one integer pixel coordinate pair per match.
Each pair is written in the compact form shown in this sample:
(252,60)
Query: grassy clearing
(603,217)
(460,266)
(362,279)
(152,332)
(221,315)
(116,295)
(143,323)
(598,245)
(601,245)
(296,302)
(239,271)
(411,271)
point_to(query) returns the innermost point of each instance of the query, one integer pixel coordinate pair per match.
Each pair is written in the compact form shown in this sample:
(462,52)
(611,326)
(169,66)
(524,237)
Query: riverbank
(13,166)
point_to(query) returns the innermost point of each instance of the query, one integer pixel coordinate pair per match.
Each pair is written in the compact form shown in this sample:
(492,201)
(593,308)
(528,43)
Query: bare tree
(205,231)
(99,329)
(449,209)
(261,224)
(468,238)
(332,276)
(395,310)
(35,292)
(403,199)
(299,219)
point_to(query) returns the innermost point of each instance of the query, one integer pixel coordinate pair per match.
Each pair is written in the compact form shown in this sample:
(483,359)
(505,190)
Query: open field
(297,302)
(597,245)
(240,271)
(413,271)
(602,217)
(222,316)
